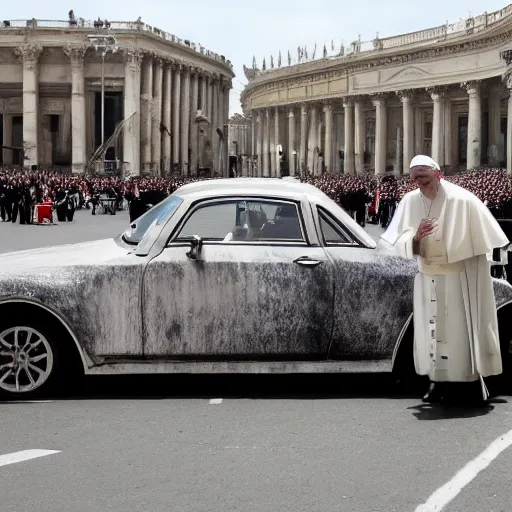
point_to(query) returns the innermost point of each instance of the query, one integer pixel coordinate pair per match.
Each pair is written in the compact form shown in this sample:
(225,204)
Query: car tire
(30,359)
(502,384)
(406,378)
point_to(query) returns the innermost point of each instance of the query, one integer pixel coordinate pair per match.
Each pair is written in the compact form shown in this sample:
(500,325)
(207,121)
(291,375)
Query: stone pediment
(411,72)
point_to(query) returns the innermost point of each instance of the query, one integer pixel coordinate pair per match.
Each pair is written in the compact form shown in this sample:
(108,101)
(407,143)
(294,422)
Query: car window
(331,232)
(160,213)
(245,221)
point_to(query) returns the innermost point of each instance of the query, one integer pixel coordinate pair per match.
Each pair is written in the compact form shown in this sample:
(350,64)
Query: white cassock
(455,320)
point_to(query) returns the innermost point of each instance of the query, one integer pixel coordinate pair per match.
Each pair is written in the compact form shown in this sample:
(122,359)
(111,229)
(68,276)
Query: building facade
(239,145)
(51,78)
(443,92)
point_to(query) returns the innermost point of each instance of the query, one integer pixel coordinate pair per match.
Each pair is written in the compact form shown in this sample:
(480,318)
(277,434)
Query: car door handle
(306,261)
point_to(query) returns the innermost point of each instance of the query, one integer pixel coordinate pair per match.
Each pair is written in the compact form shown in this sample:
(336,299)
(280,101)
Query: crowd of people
(367,197)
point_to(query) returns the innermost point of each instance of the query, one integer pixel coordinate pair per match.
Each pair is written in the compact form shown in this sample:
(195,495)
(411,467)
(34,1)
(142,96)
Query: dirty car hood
(99,252)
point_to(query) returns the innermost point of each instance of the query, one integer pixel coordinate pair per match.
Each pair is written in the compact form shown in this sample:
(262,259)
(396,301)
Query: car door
(373,292)
(258,289)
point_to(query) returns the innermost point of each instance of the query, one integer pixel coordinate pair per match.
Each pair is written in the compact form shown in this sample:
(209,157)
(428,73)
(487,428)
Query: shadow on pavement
(427,412)
(261,386)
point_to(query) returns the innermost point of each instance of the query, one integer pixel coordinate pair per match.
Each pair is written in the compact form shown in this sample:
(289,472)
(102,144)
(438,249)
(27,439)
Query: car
(242,275)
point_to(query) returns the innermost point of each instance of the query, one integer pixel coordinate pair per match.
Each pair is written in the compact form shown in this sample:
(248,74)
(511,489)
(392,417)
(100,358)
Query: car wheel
(29,359)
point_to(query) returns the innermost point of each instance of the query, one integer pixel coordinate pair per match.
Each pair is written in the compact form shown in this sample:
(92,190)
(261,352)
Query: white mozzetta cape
(468,231)
(466,225)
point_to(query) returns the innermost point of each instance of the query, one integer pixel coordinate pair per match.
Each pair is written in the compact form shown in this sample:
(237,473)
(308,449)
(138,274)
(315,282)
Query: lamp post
(105,43)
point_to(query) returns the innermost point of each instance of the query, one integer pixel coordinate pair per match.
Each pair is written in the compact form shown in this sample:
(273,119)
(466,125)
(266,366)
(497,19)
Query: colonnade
(168,93)
(309,142)
(162,96)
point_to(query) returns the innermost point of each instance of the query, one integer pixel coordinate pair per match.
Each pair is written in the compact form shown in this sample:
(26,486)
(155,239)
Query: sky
(243,29)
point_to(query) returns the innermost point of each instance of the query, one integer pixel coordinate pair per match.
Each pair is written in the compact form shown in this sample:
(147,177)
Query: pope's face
(423,176)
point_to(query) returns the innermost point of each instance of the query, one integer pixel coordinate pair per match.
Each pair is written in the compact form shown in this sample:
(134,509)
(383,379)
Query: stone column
(215,122)
(7,129)
(437,95)
(276,143)
(253,133)
(223,167)
(312,140)
(494,124)
(204,95)
(448,148)
(176,110)
(360,130)
(303,139)
(418,131)
(266,143)
(292,159)
(259,138)
(381,124)
(210,97)
(132,97)
(348,163)
(507,79)
(474,152)
(76,54)
(29,56)
(408,129)
(185,120)
(328,136)
(399,151)
(146,104)
(156,118)
(167,119)
(227,90)
(194,99)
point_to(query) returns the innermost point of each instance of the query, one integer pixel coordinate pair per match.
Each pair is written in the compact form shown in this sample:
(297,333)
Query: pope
(449,231)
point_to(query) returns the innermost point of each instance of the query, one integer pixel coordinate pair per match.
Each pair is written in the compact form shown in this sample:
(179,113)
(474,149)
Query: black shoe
(434,393)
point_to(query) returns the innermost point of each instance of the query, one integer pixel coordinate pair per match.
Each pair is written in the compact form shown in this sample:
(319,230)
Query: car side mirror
(196,244)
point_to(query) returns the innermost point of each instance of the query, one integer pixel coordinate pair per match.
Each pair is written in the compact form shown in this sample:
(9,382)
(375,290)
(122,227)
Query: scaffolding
(114,141)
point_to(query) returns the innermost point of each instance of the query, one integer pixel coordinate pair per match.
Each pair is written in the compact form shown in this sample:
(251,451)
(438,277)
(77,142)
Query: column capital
(507,80)
(304,109)
(133,57)
(472,87)
(436,92)
(177,65)
(406,94)
(327,106)
(291,111)
(76,54)
(379,98)
(506,55)
(28,54)
(158,61)
(348,101)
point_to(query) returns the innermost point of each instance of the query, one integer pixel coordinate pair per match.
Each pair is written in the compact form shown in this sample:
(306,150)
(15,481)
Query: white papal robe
(455,320)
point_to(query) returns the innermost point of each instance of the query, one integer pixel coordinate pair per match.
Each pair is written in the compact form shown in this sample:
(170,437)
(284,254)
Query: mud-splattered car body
(307,304)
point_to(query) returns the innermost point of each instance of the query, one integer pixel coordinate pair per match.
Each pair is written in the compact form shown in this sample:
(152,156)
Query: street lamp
(105,43)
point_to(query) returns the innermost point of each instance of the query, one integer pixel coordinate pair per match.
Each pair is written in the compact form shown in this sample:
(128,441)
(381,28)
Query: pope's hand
(425,229)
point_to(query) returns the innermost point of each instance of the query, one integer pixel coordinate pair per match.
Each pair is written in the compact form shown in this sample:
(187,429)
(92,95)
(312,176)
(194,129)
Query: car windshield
(157,215)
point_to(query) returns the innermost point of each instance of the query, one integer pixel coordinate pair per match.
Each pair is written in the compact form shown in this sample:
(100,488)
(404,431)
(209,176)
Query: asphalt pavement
(320,443)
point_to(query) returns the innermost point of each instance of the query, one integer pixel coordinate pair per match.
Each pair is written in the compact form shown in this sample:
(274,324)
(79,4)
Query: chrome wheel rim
(26,359)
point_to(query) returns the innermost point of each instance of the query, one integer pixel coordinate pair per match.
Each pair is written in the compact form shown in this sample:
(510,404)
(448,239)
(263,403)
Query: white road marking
(215,401)
(13,458)
(450,490)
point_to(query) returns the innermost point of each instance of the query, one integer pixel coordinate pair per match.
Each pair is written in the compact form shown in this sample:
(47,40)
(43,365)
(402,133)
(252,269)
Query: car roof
(264,186)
